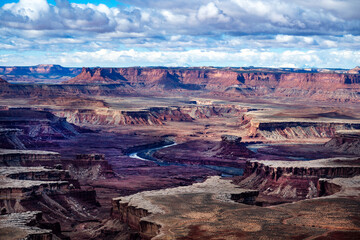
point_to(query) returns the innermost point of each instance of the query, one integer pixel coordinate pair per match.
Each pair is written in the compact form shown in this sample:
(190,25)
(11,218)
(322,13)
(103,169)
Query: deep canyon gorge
(179,153)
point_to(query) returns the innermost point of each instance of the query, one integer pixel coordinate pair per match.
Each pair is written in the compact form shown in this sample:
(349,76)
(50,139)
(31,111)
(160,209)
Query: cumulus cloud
(180,27)
(234,17)
(196,57)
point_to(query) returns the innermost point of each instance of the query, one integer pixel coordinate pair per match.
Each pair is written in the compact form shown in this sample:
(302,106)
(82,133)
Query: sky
(235,33)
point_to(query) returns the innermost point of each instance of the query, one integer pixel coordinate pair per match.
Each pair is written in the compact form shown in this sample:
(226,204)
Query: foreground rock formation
(192,213)
(23,225)
(140,212)
(28,192)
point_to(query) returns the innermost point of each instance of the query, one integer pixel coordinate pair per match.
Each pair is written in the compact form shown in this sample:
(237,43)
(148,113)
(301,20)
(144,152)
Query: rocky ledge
(303,129)
(205,211)
(323,168)
(23,226)
(139,209)
(20,183)
(9,157)
(288,181)
(345,141)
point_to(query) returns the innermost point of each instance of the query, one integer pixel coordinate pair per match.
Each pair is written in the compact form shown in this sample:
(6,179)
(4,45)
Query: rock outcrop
(137,210)
(231,147)
(151,116)
(275,83)
(345,141)
(19,183)
(282,181)
(355,70)
(9,157)
(204,211)
(26,225)
(299,129)
(9,138)
(52,190)
(33,127)
(322,168)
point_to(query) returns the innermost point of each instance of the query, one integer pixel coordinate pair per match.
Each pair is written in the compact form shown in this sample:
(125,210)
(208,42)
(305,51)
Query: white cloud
(211,12)
(223,30)
(31,9)
(197,57)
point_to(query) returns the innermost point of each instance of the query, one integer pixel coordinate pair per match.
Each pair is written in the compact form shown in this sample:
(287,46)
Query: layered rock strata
(136,210)
(19,183)
(287,181)
(23,225)
(192,214)
(345,141)
(211,78)
(9,157)
(34,127)
(151,116)
(9,138)
(323,168)
(298,129)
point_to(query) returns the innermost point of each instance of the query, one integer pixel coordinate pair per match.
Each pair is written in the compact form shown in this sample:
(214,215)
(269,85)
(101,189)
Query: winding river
(147,155)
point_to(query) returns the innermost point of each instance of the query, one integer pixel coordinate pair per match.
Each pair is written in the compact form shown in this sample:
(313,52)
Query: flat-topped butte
(319,163)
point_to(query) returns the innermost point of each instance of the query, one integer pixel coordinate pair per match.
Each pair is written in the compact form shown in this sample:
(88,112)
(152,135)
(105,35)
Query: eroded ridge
(23,225)
(140,210)
(204,210)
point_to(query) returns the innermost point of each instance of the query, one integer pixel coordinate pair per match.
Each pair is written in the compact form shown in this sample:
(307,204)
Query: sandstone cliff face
(295,180)
(26,225)
(355,70)
(223,82)
(215,78)
(298,130)
(33,126)
(9,138)
(151,116)
(347,142)
(311,85)
(50,189)
(231,147)
(106,75)
(140,210)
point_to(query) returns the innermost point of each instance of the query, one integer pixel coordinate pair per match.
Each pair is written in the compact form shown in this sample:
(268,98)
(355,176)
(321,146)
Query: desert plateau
(179,120)
(182,153)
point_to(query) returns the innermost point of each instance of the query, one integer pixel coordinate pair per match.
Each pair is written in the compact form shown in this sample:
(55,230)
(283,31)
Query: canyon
(179,153)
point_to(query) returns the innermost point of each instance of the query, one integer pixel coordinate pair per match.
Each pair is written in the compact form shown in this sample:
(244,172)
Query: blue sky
(267,33)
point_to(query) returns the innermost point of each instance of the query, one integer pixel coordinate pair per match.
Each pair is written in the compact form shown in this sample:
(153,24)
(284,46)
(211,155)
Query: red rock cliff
(220,78)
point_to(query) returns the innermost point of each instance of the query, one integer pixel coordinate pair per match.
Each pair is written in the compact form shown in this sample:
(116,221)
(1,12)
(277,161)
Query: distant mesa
(42,73)
(355,70)
(226,79)
(346,141)
(96,76)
